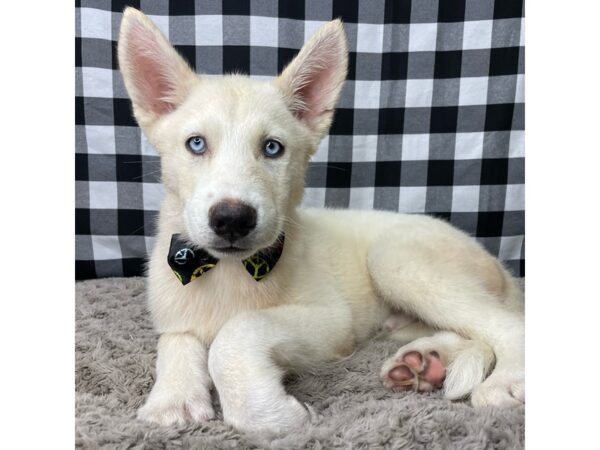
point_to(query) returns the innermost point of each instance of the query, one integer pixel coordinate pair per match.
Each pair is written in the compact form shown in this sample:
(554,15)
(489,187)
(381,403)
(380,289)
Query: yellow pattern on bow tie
(178,276)
(259,266)
(201,270)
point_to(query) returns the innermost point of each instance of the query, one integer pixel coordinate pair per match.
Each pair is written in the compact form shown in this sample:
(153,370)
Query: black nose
(232,219)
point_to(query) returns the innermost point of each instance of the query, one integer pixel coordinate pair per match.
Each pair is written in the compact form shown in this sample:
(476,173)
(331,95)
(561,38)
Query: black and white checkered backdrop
(431,119)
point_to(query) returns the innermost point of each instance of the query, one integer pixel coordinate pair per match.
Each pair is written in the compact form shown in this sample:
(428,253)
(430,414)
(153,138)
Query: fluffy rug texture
(115,355)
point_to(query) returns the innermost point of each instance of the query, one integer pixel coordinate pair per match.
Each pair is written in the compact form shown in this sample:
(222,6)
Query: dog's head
(233,150)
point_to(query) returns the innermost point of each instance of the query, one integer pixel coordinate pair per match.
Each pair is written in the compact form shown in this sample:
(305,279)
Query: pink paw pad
(417,373)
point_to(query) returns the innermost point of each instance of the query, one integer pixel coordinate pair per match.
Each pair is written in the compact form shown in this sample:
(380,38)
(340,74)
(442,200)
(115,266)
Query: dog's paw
(501,390)
(414,367)
(279,416)
(169,410)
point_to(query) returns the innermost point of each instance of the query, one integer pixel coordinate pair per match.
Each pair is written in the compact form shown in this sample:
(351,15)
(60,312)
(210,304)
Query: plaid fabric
(431,119)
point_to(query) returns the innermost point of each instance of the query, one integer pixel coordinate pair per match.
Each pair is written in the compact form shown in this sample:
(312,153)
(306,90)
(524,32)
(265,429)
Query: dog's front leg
(182,389)
(248,357)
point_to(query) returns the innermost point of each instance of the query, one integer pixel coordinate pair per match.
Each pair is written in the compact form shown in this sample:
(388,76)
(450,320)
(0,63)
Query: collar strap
(189,263)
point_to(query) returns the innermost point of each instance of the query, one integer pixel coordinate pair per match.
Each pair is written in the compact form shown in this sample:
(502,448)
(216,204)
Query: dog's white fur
(342,273)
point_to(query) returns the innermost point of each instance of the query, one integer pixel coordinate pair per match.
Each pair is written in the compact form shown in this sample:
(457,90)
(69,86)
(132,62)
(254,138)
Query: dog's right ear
(157,78)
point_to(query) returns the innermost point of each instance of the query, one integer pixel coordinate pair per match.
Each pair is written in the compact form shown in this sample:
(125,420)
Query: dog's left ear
(313,80)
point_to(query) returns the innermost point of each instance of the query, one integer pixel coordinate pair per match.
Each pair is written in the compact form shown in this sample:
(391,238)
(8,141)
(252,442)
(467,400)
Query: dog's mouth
(235,250)
(230,249)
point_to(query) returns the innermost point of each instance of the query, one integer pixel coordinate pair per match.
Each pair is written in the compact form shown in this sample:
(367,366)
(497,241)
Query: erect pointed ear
(313,80)
(157,78)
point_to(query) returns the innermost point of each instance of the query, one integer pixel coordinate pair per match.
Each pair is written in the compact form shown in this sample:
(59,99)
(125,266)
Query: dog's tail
(469,367)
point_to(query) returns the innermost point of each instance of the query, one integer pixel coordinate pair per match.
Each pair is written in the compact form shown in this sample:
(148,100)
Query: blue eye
(196,145)
(272,148)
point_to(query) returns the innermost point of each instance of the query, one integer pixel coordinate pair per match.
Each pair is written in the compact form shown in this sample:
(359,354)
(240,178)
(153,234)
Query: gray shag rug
(115,355)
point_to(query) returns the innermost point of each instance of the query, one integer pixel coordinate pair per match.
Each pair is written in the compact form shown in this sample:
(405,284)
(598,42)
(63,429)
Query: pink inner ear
(315,83)
(152,73)
(315,94)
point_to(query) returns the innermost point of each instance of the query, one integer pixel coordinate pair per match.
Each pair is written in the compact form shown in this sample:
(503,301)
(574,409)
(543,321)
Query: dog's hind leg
(443,360)
(249,356)
(448,281)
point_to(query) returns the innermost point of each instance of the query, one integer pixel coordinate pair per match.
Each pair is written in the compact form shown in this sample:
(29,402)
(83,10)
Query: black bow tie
(189,263)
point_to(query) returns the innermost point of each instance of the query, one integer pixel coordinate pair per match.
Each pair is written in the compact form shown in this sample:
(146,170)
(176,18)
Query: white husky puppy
(234,152)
